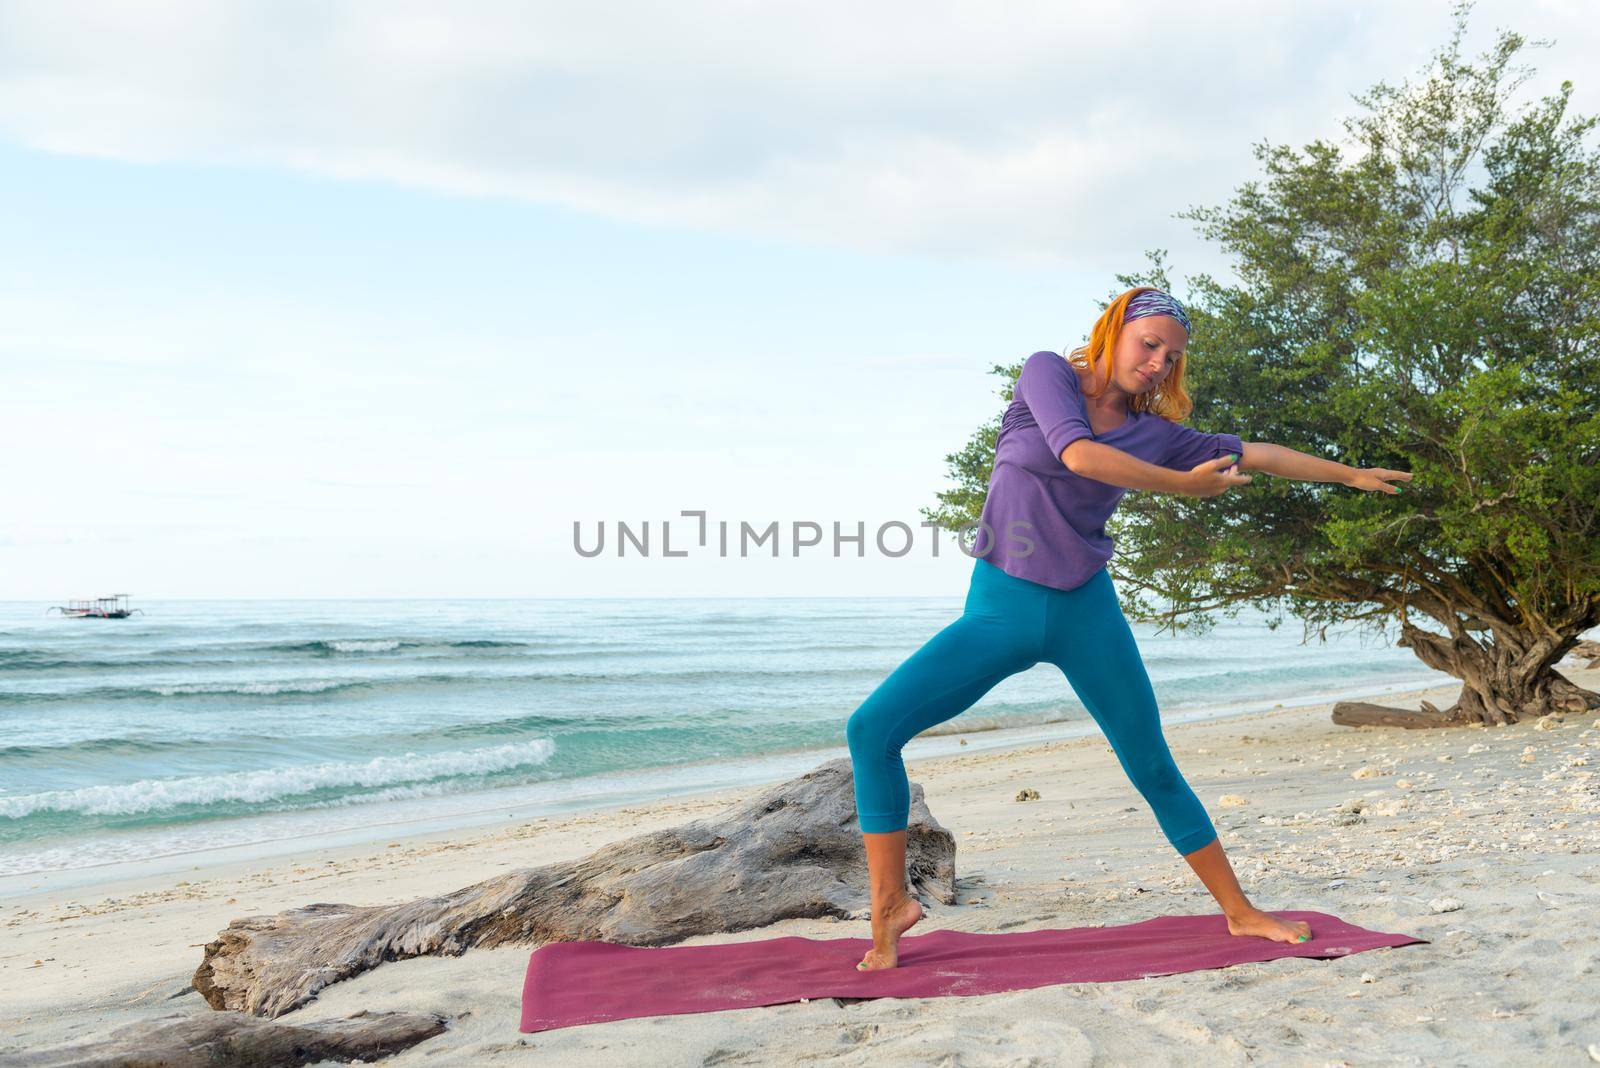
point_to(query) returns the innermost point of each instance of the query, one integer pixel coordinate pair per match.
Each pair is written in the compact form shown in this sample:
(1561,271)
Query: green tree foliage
(1432,305)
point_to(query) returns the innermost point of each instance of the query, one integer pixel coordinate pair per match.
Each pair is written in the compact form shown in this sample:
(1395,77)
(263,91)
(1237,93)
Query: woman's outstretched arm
(1288,463)
(1104,463)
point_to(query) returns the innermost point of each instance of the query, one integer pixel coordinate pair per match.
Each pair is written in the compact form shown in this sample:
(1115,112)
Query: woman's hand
(1376,478)
(1211,477)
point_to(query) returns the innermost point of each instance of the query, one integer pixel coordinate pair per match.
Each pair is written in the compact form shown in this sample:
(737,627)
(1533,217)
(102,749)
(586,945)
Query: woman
(1078,435)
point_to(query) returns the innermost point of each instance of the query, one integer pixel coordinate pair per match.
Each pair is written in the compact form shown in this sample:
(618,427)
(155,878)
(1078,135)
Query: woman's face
(1147,351)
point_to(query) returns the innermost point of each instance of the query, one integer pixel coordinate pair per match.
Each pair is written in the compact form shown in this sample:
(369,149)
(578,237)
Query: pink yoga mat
(591,982)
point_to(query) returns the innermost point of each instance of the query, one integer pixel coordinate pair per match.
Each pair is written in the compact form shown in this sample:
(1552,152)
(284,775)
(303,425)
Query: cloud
(1029,133)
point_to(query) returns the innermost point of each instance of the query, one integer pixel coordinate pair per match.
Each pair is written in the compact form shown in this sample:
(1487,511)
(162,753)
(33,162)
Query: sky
(383,299)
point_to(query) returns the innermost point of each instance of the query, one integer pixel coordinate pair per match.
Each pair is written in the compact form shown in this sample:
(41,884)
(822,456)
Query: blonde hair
(1168,400)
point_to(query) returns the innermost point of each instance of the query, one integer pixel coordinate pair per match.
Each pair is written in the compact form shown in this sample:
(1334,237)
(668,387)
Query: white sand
(1510,977)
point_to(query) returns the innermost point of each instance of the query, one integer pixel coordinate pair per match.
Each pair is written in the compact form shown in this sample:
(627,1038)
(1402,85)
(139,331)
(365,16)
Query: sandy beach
(1485,841)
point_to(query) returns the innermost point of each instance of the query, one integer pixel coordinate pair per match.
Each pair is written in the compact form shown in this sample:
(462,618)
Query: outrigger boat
(113,607)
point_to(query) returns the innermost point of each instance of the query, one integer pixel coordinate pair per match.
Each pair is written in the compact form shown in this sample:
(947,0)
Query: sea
(204,731)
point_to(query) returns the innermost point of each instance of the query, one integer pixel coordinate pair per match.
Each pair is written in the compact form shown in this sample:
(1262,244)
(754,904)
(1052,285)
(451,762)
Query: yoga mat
(570,983)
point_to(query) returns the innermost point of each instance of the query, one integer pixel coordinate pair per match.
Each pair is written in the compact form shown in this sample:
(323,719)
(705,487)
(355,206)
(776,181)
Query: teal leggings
(1009,625)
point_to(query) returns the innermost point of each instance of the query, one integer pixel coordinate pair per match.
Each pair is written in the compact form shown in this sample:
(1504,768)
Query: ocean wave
(51,660)
(480,643)
(268,785)
(290,688)
(98,746)
(534,721)
(156,653)
(25,660)
(47,663)
(384,645)
(267,689)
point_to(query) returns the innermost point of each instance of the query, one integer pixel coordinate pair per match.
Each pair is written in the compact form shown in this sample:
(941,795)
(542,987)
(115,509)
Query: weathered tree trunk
(792,850)
(1512,679)
(237,1040)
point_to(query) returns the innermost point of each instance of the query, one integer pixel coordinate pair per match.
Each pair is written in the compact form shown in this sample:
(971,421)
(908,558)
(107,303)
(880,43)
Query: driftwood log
(229,1039)
(793,850)
(1562,695)
(1366,714)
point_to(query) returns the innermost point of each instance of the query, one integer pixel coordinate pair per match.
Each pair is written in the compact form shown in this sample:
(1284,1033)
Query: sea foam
(364,646)
(257,688)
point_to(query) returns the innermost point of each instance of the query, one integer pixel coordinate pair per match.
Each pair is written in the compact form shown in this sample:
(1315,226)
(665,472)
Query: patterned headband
(1155,302)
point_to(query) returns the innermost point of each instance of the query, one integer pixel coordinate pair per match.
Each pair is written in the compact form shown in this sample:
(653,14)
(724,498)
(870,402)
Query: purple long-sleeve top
(1035,498)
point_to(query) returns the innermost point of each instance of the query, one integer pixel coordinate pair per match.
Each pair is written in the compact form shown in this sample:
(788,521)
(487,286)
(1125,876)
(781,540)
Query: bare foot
(1264,925)
(888,925)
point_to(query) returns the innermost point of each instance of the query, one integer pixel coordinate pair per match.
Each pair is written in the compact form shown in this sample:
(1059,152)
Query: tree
(1389,314)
